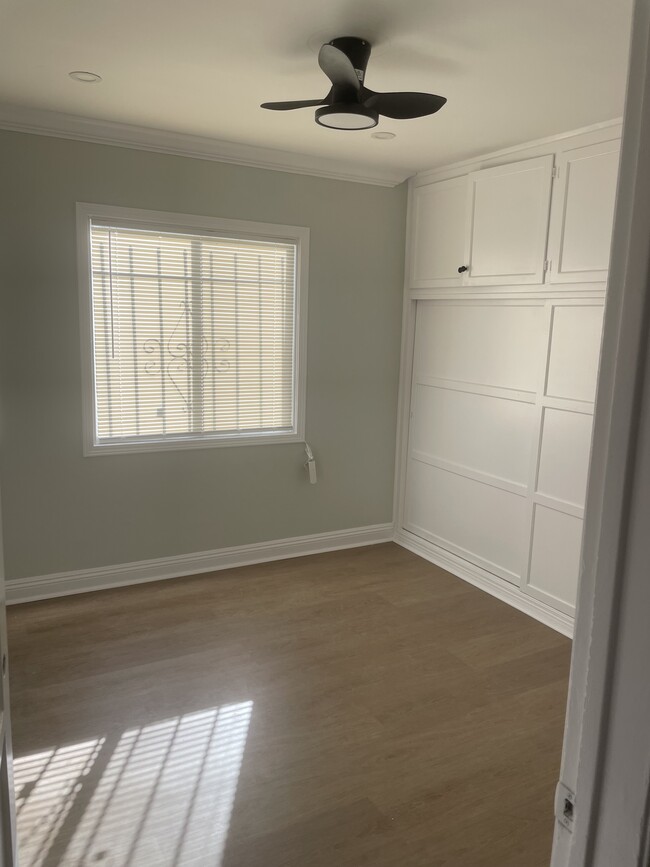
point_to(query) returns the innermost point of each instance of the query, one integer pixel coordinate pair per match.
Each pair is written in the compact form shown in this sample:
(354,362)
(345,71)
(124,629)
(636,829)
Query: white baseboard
(485,581)
(104,577)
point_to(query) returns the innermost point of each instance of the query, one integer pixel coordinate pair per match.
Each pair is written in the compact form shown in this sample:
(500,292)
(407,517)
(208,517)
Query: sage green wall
(62,511)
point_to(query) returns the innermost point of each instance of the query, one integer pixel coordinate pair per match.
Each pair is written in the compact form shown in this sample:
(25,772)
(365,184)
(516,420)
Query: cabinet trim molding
(475,388)
(587,291)
(520,489)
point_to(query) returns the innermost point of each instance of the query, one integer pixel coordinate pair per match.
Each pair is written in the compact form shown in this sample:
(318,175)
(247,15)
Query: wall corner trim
(17,118)
(105,577)
(482,579)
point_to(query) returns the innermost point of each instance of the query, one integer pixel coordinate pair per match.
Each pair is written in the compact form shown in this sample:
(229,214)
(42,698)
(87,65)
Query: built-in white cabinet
(507,227)
(502,364)
(486,228)
(583,213)
(528,222)
(438,221)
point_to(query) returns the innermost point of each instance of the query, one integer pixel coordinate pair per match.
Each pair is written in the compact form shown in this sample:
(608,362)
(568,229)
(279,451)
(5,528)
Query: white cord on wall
(310,463)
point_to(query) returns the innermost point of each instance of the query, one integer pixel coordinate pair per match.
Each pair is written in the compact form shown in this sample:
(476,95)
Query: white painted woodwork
(486,581)
(508,210)
(485,343)
(476,432)
(475,375)
(438,233)
(559,474)
(582,213)
(555,558)
(55,584)
(499,436)
(8,854)
(500,371)
(481,523)
(606,754)
(564,455)
(574,353)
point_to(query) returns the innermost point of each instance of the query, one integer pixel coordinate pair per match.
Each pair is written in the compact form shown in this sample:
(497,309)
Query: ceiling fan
(351,105)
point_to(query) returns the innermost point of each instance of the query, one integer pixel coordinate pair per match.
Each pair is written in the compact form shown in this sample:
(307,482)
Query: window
(193,330)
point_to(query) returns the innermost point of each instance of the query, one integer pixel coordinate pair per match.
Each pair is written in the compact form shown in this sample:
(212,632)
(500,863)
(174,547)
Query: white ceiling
(512,70)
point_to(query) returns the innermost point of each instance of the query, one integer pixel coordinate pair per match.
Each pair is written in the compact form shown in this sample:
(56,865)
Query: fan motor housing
(347,115)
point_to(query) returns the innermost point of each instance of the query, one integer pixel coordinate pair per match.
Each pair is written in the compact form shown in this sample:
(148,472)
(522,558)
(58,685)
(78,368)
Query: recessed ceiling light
(383,136)
(85,77)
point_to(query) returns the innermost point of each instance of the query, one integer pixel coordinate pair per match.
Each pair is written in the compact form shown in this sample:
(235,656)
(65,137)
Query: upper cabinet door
(508,212)
(438,234)
(583,213)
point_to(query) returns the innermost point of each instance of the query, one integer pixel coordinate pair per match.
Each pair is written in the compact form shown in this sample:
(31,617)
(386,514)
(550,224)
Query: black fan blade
(402,106)
(338,67)
(296,103)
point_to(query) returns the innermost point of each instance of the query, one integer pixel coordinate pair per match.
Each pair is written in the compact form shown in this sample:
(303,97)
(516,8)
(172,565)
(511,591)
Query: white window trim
(175,222)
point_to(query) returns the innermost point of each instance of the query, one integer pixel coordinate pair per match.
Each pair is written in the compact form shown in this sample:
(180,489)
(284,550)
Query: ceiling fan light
(347,116)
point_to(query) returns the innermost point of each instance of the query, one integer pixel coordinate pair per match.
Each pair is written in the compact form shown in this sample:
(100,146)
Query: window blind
(193,335)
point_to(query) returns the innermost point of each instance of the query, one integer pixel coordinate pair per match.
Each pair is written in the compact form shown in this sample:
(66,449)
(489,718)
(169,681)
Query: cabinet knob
(462,268)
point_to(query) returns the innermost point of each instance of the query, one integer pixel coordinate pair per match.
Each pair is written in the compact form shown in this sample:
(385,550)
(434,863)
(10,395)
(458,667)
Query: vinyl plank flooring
(359,708)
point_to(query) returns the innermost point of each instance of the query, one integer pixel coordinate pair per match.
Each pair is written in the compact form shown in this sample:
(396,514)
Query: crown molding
(529,148)
(68,126)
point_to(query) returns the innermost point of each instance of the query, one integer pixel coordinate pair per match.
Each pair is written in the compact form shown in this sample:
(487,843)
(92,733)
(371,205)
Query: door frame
(606,756)
(8,839)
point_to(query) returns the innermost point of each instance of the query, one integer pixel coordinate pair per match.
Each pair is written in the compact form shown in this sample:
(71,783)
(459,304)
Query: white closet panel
(500,435)
(473,417)
(474,342)
(583,213)
(564,455)
(482,433)
(575,351)
(477,521)
(508,223)
(555,558)
(438,233)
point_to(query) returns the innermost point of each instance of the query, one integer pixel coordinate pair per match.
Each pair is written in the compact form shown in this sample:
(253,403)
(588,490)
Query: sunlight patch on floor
(157,795)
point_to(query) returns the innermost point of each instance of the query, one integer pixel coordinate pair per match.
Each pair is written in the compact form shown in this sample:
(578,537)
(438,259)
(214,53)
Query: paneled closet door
(438,234)
(500,426)
(583,213)
(475,374)
(561,460)
(508,212)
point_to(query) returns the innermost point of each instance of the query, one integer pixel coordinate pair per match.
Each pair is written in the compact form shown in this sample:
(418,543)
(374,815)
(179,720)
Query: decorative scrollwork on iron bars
(178,362)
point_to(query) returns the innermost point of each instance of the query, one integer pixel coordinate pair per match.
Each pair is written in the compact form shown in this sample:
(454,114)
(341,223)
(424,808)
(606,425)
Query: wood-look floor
(360,708)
